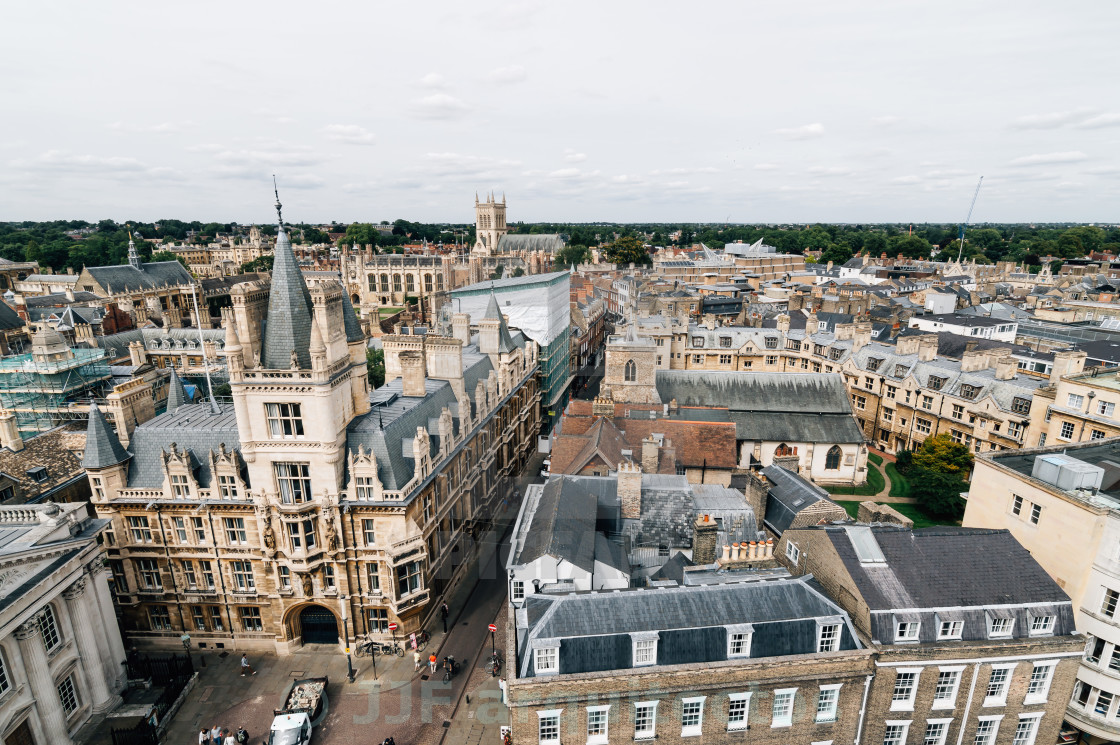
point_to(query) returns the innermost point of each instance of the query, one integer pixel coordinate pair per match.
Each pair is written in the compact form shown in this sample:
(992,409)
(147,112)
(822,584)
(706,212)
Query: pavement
(415,708)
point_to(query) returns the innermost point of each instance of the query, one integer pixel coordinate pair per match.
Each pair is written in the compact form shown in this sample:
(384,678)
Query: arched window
(783,450)
(439,282)
(409,283)
(631,371)
(384,282)
(428,284)
(396,283)
(832,460)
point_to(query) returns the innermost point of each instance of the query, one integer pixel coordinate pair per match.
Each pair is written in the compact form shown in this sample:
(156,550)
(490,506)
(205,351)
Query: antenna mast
(967,220)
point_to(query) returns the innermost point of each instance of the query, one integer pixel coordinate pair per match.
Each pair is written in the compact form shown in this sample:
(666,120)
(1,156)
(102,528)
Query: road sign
(493,628)
(392,627)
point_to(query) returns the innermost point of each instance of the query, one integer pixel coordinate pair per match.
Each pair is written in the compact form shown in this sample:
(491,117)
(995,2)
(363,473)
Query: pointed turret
(176,393)
(494,334)
(133,256)
(103,449)
(351,323)
(288,327)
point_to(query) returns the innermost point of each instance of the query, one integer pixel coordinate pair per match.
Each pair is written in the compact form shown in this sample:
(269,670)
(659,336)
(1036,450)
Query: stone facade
(314,510)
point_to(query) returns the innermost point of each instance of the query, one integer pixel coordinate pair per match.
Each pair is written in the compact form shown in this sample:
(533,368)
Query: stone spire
(133,257)
(176,393)
(103,449)
(351,323)
(494,313)
(287,331)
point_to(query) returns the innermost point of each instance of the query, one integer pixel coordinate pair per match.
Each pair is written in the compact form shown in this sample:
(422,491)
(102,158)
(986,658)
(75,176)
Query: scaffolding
(44,394)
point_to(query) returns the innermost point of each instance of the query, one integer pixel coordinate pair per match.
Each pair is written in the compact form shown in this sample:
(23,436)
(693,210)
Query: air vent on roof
(392,397)
(38,473)
(1066,472)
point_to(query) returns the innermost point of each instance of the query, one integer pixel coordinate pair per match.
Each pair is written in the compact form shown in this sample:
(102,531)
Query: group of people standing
(222,736)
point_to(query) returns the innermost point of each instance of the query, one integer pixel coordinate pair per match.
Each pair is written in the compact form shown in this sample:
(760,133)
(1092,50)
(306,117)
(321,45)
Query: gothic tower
(489,224)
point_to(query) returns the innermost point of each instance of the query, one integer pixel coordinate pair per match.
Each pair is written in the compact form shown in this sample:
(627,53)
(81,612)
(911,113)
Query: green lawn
(874,485)
(912,511)
(876,459)
(900,487)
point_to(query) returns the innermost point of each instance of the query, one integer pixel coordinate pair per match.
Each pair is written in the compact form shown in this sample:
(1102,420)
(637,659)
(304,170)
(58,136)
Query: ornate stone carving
(332,536)
(75,590)
(307,587)
(28,628)
(269,537)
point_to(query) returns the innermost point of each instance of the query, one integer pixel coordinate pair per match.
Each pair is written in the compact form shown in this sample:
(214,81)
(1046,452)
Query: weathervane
(276,191)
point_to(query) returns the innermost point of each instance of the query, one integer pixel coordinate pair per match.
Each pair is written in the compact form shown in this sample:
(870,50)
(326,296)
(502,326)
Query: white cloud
(572,156)
(830,171)
(885,121)
(803,132)
(63,162)
(439,106)
(1042,159)
(906,180)
(434,80)
(303,181)
(160,128)
(1100,120)
(1052,120)
(508,75)
(351,134)
(469,168)
(572,174)
(767,167)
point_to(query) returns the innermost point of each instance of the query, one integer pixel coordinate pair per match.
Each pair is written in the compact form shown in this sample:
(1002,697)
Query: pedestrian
(412,640)
(204,736)
(216,735)
(443,611)
(432,663)
(416,658)
(229,739)
(242,736)
(246,666)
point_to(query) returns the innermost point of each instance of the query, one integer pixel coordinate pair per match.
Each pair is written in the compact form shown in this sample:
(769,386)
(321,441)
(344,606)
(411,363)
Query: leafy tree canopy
(629,250)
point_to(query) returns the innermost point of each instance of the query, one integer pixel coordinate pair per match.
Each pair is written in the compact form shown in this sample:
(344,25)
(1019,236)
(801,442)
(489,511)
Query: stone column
(84,615)
(51,716)
(110,634)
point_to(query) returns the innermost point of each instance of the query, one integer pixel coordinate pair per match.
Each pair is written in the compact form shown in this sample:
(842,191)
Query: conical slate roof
(288,328)
(176,393)
(102,446)
(505,341)
(9,319)
(351,323)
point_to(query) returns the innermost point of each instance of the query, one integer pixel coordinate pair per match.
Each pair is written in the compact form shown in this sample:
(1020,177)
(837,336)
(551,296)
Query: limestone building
(61,654)
(1063,504)
(313,510)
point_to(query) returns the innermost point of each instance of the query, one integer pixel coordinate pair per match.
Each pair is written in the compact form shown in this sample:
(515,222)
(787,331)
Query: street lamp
(186,639)
(346,636)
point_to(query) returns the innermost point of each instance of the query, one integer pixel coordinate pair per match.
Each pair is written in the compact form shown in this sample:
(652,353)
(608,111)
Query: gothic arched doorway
(318,625)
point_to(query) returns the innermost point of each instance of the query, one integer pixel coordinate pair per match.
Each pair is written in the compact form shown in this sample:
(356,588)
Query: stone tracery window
(631,371)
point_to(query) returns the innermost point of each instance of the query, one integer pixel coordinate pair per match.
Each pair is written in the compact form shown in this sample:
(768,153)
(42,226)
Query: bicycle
(422,639)
(494,664)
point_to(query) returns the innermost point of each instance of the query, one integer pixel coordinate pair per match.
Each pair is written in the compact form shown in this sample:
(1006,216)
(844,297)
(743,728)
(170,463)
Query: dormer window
(697,341)
(739,640)
(907,631)
(724,341)
(771,342)
(873,363)
(546,660)
(835,353)
(900,371)
(1042,625)
(1000,626)
(1021,405)
(969,391)
(644,648)
(37,474)
(935,383)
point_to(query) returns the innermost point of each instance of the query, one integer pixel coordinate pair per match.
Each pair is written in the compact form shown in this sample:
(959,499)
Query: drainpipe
(968,705)
(863,707)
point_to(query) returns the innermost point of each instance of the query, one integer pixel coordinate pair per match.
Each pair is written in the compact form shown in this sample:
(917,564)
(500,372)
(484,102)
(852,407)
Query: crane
(968,219)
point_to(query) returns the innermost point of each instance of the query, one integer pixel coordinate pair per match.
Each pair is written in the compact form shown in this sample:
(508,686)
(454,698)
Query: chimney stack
(461,327)
(927,347)
(704,540)
(9,431)
(1006,367)
(412,374)
(630,490)
(650,447)
(1066,363)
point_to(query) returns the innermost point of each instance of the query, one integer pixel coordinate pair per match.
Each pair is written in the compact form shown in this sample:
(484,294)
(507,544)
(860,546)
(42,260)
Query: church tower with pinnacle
(489,224)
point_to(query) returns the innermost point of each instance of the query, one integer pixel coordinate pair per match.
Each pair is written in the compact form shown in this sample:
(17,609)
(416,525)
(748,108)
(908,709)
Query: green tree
(259,264)
(938,493)
(837,254)
(375,366)
(941,455)
(168,256)
(572,254)
(912,247)
(629,250)
(362,233)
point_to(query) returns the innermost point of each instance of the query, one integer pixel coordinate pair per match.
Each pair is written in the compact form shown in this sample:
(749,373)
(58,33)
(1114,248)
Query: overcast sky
(682,111)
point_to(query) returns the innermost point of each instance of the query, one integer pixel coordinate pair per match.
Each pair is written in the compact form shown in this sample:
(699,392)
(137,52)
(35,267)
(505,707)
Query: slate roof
(968,321)
(288,324)
(59,299)
(493,313)
(551,242)
(9,319)
(572,453)
(946,568)
(152,275)
(116,345)
(778,407)
(350,322)
(562,525)
(788,495)
(103,448)
(53,451)
(176,394)
(593,628)
(194,429)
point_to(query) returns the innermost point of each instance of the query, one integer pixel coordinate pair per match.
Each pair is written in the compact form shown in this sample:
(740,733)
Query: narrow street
(415,708)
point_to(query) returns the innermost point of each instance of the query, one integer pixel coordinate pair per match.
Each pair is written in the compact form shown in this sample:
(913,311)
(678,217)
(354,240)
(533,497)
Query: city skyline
(717,113)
